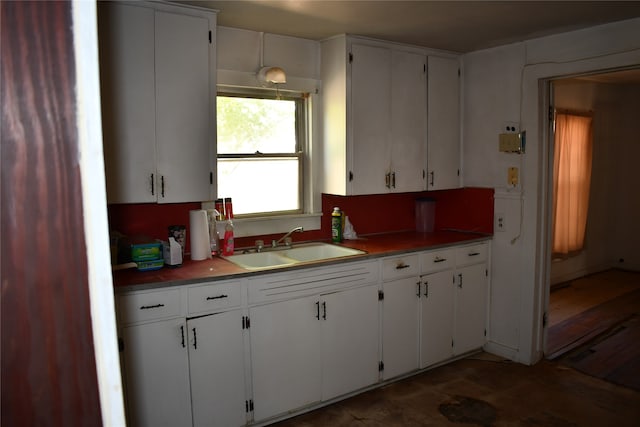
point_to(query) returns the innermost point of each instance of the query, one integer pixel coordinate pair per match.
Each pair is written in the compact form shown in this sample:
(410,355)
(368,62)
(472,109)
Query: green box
(146,251)
(149,265)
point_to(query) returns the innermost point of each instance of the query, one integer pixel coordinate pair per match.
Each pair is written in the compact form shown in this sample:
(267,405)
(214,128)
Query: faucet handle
(259,245)
(287,241)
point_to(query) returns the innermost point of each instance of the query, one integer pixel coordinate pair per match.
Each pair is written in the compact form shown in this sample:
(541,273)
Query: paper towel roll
(199,229)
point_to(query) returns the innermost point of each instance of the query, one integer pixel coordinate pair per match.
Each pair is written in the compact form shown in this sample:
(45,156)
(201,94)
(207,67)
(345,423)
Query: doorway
(585,290)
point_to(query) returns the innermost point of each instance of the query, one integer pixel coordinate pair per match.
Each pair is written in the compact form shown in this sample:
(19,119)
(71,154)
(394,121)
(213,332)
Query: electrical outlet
(512,178)
(500,224)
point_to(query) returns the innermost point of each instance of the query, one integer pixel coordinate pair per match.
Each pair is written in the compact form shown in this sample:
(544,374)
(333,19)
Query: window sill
(245,227)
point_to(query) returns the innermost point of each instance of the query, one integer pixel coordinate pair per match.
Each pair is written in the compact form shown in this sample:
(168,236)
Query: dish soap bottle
(228,246)
(336,225)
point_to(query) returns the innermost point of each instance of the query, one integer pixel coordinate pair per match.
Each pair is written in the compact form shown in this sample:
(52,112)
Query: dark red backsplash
(467,209)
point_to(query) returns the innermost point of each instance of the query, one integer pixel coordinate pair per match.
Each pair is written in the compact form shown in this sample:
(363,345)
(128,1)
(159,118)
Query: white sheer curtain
(571,182)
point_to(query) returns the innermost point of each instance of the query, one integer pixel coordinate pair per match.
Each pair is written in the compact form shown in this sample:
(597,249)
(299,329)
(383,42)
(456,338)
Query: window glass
(259,152)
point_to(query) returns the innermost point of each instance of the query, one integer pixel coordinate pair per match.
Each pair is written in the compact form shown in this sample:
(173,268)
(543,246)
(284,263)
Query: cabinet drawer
(300,283)
(214,296)
(438,260)
(471,254)
(139,307)
(402,266)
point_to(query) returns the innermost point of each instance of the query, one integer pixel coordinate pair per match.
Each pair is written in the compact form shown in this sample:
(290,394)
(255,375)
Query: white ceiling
(458,26)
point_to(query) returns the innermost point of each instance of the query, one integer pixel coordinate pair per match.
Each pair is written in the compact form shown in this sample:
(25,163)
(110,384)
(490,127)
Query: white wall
(239,56)
(504,84)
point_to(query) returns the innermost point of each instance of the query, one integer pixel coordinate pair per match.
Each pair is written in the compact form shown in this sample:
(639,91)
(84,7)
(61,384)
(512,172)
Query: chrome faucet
(287,240)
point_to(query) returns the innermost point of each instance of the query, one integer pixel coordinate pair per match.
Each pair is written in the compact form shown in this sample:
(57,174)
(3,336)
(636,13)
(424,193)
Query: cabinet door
(400,326)
(184,119)
(437,297)
(285,356)
(370,119)
(408,121)
(157,374)
(128,101)
(471,308)
(443,126)
(350,334)
(216,364)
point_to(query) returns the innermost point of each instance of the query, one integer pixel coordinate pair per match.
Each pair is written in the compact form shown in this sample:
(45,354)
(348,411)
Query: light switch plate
(512,176)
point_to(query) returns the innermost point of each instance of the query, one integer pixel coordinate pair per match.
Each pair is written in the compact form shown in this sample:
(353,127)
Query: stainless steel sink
(284,257)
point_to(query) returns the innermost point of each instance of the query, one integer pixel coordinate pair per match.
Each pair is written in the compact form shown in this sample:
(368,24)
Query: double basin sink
(309,252)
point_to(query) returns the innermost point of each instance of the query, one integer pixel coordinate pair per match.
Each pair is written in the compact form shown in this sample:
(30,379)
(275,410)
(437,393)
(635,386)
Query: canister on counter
(220,208)
(228,208)
(336,225)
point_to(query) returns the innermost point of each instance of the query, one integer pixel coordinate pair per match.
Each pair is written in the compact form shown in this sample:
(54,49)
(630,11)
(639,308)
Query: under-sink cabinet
(317,341)
(260,348)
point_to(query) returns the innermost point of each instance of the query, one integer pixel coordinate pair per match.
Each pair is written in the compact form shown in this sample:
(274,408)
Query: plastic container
(425,214)
(228,245)
(336,225)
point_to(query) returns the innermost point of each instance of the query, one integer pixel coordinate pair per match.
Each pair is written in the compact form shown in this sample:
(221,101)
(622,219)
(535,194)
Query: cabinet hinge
(120,345)
(485,332)
(550,113)
(246,323)
(381,366)
(350,57)
(210,177)
(458,172)
(248,405)
(380,295)
(486,272)
(451,343)
(424,68)
(209,36)
(544,319)
(350,176)
(458,72)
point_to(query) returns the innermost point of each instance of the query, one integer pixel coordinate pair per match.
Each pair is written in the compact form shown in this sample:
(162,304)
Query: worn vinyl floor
(484,390)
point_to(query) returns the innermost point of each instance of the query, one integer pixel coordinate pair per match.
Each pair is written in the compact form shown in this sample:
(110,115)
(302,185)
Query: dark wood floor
(596,328)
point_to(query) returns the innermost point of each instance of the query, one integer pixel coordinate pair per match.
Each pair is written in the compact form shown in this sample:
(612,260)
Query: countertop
(375,246)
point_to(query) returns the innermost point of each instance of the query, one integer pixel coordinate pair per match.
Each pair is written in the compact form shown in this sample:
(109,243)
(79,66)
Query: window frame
(302,114)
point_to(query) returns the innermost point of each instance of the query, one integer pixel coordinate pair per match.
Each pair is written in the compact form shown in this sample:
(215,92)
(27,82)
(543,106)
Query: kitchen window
(262,135)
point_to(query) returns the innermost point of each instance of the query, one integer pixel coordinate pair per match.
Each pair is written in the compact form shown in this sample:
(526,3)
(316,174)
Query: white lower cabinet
(180,370)
(217,371)
(311,349)
(285,356)
(156,369)
(237,352)
(436,320)
(400,315)
(471,312)
(349,339)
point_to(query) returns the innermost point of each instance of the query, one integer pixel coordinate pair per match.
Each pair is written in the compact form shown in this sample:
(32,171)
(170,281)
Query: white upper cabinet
(374,104)
(391,118)
(443,156)
(158,102)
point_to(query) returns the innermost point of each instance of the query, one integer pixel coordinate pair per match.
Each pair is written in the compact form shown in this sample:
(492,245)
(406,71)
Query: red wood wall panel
(48,364)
